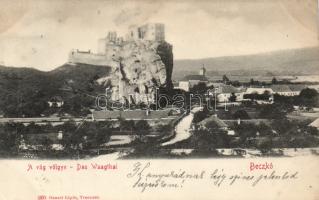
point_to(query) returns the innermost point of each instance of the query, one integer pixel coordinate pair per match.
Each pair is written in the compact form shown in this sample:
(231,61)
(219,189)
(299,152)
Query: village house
(56,102)
(190,80)
(218,122)
(296,88)
(225,92)
(183,85)
(287,90)
(262,90)
(282,90)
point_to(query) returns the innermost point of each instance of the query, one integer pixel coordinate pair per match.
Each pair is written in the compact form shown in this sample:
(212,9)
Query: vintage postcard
(151,100)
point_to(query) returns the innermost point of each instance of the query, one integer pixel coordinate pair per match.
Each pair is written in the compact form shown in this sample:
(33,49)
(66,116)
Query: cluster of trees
(240,114)
(282,127)
(251,82)
(140,125)
(263,136)
(36,104)
(274,111)
(308,97)
(248,130)
(143,146)
(232,97)
(205,141)
(9,139)
(255,96)
(138,129)
(84,136)
(200,88)
(284,104)
(234,83)
(201,115)
(278,134)
(274,81)
(25,103)
(77,105)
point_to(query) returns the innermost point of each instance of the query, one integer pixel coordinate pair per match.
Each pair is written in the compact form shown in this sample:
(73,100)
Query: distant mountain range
(285,62)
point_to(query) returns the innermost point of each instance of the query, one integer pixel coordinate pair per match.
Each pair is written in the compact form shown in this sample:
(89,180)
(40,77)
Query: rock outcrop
(138,68)
(140,63)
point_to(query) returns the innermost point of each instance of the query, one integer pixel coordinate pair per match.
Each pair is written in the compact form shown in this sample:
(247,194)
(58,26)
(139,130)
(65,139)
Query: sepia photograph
(103,81)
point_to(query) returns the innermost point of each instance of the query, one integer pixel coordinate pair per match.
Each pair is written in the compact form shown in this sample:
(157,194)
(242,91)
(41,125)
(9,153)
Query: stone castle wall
(138,66)
(87,58)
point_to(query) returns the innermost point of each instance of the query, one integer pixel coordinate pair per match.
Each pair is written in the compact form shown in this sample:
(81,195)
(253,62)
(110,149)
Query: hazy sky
(40,33)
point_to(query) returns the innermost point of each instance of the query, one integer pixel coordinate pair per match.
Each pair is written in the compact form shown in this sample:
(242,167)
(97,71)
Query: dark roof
(195,77)
(219,122)
(288,88)
(228,89)
(297,87)
(280,88)
(56,99)
(131,114)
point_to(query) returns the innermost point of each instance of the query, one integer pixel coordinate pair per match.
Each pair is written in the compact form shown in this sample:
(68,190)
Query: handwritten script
(144,177)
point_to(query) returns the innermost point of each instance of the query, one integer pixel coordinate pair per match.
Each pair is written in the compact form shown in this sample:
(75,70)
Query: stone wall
(138,68)
(88,58)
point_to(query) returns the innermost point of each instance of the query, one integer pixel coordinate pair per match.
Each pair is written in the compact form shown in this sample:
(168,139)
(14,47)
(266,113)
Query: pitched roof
(223,88)
(242,89)
(195,77)
(281,88)
(258,90)
(288,88)
(228,89)
(315,123)
(219,122)
(297,87)
(56,99)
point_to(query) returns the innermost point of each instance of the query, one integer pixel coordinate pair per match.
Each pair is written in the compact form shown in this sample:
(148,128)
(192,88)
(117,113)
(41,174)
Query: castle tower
(152,31)
(110,39)
(112,36)
(202,71)
(133,33)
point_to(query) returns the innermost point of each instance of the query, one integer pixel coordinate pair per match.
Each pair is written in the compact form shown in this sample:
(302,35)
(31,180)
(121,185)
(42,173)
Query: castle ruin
(140,62)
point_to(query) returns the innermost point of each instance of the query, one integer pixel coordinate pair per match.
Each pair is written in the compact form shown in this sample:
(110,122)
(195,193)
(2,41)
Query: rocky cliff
(138,67)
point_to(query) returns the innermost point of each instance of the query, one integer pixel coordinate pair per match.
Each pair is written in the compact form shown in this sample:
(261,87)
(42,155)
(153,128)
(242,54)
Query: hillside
(25,91)
(286,62)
